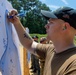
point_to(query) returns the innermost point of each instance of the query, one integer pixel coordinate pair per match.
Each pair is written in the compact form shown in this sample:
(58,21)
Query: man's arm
(24,37)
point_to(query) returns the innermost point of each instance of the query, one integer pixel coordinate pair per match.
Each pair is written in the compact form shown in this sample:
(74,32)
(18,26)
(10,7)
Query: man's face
(43,41)
(54,28)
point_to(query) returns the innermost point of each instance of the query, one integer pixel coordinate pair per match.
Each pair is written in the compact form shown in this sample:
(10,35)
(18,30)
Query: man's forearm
(24,37)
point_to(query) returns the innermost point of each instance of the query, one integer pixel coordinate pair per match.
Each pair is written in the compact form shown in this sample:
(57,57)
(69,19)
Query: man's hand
(12,17)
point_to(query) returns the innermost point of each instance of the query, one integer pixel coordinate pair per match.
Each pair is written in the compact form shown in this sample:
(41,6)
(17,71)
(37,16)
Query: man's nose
(46,26)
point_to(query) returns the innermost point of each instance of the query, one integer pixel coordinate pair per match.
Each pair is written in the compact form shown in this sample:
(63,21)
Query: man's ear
(66,26)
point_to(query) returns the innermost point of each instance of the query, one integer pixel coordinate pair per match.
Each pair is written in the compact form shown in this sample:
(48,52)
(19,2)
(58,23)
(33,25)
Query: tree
(33,19)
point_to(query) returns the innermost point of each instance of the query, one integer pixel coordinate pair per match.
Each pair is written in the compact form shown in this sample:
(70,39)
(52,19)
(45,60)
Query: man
(35,60)
(43,40)
(60,29)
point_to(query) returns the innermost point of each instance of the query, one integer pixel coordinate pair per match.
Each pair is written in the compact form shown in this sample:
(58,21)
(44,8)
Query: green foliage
(33,18)
(35,23)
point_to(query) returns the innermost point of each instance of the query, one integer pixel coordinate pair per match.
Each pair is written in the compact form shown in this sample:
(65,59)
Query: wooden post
(25,62)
